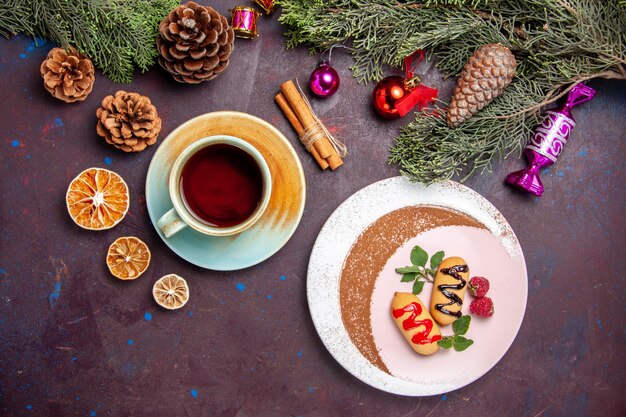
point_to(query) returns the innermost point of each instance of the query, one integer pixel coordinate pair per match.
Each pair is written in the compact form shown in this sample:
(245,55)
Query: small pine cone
(128,121)
(484,77)
(194,43)
(68,75)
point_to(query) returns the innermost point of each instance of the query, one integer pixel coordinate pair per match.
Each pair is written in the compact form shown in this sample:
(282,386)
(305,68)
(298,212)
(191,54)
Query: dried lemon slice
(171,292)
(128,257)
(97,199)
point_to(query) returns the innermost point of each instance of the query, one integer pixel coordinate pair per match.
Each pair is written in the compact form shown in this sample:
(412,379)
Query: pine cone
(128,121)
(195,43)
(68,75)
(484,77)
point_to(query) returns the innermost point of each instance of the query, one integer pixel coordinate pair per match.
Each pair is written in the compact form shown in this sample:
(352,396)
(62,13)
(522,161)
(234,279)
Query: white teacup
(181,215)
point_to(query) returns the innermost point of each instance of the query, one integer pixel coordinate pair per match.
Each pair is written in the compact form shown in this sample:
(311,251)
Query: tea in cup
(219,186)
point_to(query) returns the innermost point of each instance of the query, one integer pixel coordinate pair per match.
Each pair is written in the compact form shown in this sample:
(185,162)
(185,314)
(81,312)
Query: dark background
(74,341)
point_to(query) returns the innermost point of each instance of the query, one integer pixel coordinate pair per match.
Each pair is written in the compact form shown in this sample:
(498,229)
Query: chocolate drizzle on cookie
(446,289)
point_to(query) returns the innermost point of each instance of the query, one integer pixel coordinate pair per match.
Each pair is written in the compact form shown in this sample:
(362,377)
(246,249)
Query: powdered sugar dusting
(368,256)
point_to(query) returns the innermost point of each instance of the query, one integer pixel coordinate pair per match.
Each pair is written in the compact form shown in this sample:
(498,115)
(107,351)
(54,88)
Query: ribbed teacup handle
(171,223)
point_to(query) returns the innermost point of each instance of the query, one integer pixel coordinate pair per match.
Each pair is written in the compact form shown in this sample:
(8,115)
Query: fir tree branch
(116,35)
(556,43)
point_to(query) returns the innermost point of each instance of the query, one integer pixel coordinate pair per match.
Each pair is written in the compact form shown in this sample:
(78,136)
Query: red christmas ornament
(386,95)
(395,96)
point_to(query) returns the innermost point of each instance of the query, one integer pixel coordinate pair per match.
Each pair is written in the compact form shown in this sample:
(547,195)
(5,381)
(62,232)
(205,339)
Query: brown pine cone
(128,121)
(194,43)
(68,75)
(484,77)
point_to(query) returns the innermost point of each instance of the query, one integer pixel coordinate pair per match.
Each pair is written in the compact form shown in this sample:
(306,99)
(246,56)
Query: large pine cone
(484,77)
(67,75)
(195,43)
(128,121)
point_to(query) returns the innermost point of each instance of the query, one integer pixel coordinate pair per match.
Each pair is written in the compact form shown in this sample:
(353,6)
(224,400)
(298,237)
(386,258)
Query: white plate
(492,251)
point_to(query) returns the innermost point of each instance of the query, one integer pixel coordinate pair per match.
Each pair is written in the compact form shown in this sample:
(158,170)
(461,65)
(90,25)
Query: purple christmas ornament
(324,80)
(546,144)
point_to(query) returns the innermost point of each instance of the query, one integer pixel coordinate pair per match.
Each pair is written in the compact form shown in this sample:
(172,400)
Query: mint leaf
(418,287)
(461,343)
(445,342)
(409,276)
(435,260)
(461,325)
(419,256)
(407,269)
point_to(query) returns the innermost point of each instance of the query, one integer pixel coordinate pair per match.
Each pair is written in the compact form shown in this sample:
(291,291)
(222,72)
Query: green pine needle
(117,35)
(556,43)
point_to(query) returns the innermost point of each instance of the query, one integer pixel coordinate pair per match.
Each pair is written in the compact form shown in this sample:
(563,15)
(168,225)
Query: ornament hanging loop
(412,80)
(330,52)
(408,63)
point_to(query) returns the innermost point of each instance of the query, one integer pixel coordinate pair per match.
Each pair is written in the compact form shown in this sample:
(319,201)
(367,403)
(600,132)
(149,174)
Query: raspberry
(478,286)
(482,307)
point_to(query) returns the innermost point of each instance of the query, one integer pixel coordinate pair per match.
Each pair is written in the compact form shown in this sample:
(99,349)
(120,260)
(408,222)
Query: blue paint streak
(58,122)
(131,341)
(22,56)
(92,413)
(559,174)
(29,407)
(147,316)
(77,398)
(28,156)
(194,393)
(444,397)
(583,152)
(268,296)
(54,295)
(30,48)
(299,353)
(3,271)
(108,160)
(283,278)
(240,287)
(15,143)
(190,313)
(74,358)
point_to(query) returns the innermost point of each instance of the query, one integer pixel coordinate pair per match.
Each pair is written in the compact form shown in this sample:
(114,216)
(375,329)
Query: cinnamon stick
(297,126)
(334,160)
(307,119)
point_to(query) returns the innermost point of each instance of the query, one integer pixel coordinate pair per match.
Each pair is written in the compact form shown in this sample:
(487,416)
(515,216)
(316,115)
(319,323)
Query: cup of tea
(219,186)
